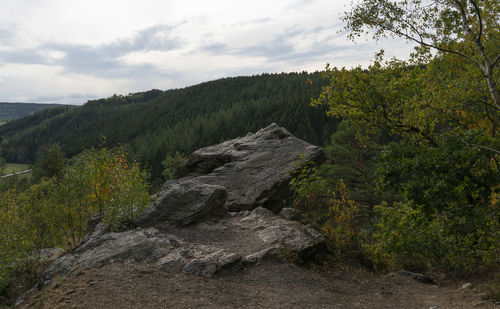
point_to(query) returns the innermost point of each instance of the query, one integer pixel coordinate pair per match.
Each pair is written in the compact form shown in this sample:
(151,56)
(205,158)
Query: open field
(15,167)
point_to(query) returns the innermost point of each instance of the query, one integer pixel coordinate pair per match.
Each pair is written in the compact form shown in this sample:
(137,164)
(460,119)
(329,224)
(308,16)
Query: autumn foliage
(55,211)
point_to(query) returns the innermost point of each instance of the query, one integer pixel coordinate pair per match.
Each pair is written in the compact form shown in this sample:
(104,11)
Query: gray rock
(184,201)
(98,229)
(48,255)
(280,232)
(257,257)
(205,254)
(419,277)
(466,286)
(250,174)
(254,169)
(207,260)
(290,213)
(140,245)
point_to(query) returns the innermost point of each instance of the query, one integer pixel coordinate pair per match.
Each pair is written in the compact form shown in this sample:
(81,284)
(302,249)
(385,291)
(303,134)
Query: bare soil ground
(272,284)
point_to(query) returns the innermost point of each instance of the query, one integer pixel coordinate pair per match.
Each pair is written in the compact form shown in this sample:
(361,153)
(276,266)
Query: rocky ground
(223,237)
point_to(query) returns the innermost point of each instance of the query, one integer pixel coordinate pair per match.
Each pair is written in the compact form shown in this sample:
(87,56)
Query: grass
(15,167)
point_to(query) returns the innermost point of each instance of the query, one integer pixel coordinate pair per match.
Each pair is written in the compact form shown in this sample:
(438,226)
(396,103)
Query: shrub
(173,166)
(55,211)
(331,212)
(406,236)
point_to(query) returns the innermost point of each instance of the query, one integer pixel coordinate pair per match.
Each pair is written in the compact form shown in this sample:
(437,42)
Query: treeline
(155,123)
(9,111)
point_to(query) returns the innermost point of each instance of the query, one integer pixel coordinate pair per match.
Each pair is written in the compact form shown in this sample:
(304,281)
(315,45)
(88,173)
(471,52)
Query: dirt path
(269,285)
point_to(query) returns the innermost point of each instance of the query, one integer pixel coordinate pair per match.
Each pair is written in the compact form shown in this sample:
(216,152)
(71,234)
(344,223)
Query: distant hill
(153,123)
(9,111)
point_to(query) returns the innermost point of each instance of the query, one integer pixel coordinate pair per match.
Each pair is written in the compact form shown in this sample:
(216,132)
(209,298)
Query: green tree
(3,165)
(465,28)
(443,112)
(117,189)
(54,212)
(173,166)
(450,217)
(420,99)
(50,164)
(40,219)
(352,162)
(14,245)
(73,201)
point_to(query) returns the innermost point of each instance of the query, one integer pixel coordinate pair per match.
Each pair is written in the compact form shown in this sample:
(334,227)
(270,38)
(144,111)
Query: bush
(55,212)
(406,236)
(331,212)
(118,189)
(449,218)
(173,166)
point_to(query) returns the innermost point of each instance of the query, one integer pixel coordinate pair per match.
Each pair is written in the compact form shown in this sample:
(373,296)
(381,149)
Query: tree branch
(478,42)
(478,12)
(479,146)
(496,61)
(399,33)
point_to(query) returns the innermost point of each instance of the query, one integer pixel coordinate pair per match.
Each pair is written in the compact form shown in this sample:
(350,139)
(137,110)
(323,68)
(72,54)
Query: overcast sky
(69,51)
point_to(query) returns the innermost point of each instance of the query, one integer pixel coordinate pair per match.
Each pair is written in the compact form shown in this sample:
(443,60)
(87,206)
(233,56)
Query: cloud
(294,45)
(22,56)
(252,22)
(299,4)
(7,33)
(101,60)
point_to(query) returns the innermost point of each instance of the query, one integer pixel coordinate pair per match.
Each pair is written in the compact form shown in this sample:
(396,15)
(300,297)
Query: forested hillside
(155,123)
(9,111)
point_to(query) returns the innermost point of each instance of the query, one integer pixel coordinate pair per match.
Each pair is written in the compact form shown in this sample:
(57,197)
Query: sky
(70,51)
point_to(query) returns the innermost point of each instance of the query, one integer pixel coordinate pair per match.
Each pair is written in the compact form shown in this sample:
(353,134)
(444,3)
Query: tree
(442,110)
(174,166)
(465,28)
(3,164)
(353,163)
(50,164)
(118,189)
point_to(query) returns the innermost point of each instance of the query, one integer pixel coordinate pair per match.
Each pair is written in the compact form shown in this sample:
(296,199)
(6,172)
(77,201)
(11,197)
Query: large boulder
(243,238)
(188,227)
(182,202)
(254,169)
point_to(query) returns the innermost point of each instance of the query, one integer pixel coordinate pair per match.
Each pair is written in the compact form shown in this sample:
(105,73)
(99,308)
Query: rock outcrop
(183,202)
(254,169)
(220,215)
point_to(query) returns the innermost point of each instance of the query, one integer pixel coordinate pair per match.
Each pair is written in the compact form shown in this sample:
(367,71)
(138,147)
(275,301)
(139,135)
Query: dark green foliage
(174,166)
(50,164)
(155,123)
(436,186)
(20,183)
(451,177)
(451,219)
(327,208)
(353,162)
